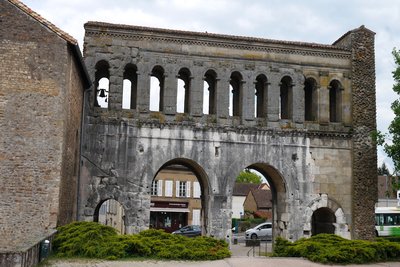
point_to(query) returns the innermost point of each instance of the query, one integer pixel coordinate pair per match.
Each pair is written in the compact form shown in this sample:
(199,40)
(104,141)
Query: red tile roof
(263,198)
(44,22)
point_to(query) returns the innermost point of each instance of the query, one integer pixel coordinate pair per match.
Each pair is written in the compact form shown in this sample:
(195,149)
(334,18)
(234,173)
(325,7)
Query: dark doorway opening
(322,221)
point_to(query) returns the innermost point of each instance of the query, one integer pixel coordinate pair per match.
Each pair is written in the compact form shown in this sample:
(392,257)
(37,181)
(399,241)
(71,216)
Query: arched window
(102,84)
(335,101)
(209,93)
(235,94)
(157,89)
(310,99)
(129,93)
(183,92)
(261,96)
(286,98)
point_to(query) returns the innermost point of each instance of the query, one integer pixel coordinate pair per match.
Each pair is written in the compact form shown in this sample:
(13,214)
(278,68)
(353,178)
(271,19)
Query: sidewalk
(229,262)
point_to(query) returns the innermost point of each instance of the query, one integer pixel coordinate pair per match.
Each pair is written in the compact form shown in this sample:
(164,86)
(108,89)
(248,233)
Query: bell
(102,93)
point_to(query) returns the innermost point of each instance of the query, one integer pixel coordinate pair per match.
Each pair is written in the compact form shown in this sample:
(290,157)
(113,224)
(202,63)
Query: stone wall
(40,116)
(309,163)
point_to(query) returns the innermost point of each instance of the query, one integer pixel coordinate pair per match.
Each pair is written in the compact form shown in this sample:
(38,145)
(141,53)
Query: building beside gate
(42,80)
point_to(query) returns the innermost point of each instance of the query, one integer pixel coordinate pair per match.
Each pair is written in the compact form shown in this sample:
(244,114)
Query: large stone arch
(203,179)
(323,201)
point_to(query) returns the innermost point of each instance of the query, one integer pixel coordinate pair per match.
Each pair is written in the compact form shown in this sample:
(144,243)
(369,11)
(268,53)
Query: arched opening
(157,89)
(310,99)
(286,98)
(209,92)
(261,96)
(264,201)
(102,84)
(129,93)
(323,220)
(178,196)
(335,101)
(110,212)
(235,94)
(183,92)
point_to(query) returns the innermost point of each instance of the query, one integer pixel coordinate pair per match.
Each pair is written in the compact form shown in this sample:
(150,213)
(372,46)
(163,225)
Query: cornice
(138,33)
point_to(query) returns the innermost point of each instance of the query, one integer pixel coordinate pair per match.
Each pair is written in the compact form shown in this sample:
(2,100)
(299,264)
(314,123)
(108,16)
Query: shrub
(332,249)
(93,240)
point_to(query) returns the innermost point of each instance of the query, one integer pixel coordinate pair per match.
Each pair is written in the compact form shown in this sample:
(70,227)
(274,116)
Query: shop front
(169,216)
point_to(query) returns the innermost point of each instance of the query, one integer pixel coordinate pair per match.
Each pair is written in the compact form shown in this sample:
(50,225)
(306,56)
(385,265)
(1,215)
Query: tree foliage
(383,170)
(393,148)
(247,176)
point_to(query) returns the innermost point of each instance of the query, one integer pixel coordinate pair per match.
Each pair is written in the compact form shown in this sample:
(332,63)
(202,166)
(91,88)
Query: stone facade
(310,134)
(42,80)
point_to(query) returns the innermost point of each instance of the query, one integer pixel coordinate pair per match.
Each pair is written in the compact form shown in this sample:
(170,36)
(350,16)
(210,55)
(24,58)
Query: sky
(315,21)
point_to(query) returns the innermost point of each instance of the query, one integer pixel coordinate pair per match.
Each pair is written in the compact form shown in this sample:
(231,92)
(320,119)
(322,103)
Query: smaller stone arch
(236,83)
(101,84)
(185,75)
(210,92)
(129,93)
(159,73)
(286,98)
(310,99)
(328,206)
(335,100)
(112,213)
(261,95)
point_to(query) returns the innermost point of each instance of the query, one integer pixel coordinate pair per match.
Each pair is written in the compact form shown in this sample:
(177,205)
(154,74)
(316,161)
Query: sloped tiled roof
(242,189)
(44,22)
(263,198)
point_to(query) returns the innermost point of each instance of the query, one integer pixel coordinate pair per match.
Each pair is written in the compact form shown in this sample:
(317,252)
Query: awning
(169,210)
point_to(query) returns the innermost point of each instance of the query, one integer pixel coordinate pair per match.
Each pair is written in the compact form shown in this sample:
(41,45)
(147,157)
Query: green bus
(387,221)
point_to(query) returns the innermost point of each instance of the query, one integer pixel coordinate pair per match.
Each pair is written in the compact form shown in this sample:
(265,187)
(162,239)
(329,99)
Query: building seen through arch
(175,199)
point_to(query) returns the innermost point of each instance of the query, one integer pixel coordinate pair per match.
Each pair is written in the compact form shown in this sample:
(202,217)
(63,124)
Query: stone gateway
(302,114)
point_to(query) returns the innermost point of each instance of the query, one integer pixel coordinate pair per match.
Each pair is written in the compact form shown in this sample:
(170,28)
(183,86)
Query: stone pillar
(223,97)
(248,105)
(143,90)
(220,223)
(170,93)
(323,93)
(346,102)
(298,99)
(115,89)
(196,95)
(361,42)
(273,97)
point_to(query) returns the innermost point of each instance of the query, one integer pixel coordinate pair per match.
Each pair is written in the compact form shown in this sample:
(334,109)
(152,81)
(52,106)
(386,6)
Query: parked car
(189,230)
(261,231)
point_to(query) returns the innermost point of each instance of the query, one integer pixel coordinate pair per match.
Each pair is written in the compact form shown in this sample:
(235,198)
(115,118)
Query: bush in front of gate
(332,249)
(93,240)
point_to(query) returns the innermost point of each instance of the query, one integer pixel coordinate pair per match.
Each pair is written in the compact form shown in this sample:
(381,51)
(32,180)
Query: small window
(182,189)
(154,188)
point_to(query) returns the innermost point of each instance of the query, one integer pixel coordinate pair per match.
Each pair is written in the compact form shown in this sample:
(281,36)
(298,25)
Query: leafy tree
(383,170)
(393,148)
(247,176)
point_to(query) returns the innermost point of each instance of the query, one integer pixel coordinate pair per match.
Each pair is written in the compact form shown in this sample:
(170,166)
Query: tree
(393,149)
(383,170)
(247,176)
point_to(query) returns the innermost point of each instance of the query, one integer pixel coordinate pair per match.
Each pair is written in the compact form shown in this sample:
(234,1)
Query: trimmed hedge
(93,240)
(332,249)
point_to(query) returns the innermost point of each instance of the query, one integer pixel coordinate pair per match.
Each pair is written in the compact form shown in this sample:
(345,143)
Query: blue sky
(319,21)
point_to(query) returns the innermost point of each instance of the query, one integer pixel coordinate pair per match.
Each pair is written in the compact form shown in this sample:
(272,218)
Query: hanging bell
(102,92)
